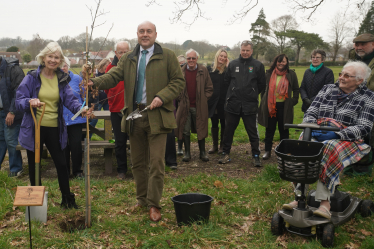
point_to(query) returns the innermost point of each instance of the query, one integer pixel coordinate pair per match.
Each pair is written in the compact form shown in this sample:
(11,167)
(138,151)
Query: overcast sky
(53,19)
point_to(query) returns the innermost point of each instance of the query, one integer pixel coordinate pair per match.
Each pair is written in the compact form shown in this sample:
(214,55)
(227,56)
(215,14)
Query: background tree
(339,31)
(367,25)
(290,54)
(27,58)
(36,45)
(260,30)
(66,42)
(12,49)
(270,54)
(306,40)
(279,27)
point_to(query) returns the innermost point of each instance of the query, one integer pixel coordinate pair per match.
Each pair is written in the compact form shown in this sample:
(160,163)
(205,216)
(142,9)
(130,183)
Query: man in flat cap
(364,51)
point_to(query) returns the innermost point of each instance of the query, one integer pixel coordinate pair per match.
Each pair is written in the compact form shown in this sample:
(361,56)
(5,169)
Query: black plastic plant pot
(192,207)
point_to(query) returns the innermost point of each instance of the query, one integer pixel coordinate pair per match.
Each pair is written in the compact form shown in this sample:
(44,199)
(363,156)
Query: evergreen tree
(12,49)
(260,30)
(367,25)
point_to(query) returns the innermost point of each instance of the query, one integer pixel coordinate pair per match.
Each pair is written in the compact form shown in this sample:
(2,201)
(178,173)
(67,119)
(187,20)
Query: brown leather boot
(214,132)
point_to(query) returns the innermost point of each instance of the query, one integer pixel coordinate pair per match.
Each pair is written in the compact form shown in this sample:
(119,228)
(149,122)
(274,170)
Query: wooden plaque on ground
(29,196)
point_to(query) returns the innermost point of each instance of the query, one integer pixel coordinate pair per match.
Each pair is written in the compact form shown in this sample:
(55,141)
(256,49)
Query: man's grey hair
(362,71)
(128,43)
(246,43)
(192,50)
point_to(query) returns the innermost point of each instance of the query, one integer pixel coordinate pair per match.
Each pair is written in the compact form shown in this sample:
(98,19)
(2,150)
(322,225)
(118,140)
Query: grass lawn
(240,214)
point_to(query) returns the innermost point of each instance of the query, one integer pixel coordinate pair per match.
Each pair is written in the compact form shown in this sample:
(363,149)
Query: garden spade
(38,212)
(136,114)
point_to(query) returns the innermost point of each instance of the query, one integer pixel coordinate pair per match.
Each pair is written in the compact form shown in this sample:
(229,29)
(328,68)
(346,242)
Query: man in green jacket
(152,76)
(364,51)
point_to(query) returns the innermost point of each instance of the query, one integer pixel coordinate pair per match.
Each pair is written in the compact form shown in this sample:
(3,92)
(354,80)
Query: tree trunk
(297,55)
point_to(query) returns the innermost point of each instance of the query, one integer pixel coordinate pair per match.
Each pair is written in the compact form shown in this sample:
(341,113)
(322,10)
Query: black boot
(220,150)
(68,201)
(187,153)
(214,132)
(180,147)
(203,156)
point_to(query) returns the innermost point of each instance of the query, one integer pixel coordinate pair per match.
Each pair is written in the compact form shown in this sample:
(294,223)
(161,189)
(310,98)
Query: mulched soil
(241,165)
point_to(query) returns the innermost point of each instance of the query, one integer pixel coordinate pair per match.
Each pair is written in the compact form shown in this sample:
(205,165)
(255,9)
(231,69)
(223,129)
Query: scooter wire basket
(299,161)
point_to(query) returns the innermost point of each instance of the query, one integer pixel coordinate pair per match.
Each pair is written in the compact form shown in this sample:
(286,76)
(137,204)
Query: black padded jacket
(246,80)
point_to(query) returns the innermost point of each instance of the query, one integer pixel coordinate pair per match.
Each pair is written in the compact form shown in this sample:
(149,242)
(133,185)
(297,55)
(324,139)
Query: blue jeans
(9,140)
(93,122)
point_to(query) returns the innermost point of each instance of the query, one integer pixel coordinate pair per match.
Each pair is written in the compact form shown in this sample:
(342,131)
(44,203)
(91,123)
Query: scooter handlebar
(311,126)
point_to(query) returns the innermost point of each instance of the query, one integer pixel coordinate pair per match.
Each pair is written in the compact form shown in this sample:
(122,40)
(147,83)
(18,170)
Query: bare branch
(104,40)
(184,6)
(151,2)
(311,5)
(243,12)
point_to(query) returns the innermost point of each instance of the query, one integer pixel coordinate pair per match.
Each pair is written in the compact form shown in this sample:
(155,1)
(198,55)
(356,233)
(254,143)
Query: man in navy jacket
(11,76)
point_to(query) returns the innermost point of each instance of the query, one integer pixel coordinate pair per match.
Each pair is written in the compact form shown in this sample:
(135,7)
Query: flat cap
(364,38)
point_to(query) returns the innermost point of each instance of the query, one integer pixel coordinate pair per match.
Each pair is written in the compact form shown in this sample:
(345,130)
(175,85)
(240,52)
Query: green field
(240,214)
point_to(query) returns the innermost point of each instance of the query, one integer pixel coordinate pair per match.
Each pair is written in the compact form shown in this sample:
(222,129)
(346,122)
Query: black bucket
(192,207)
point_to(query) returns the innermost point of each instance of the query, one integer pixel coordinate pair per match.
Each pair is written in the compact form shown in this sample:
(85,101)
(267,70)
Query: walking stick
(37,143)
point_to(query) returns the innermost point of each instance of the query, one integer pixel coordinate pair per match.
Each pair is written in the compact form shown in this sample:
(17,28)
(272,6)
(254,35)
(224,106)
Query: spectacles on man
(191,58)
(316,58)
(346,76)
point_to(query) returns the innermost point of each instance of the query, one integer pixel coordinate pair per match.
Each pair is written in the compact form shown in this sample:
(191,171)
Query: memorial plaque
(29,196)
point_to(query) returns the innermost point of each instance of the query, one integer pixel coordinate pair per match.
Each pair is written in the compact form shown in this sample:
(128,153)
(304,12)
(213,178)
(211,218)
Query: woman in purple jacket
(48,84)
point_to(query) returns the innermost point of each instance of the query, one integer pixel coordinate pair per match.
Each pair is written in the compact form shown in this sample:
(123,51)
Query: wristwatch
(12,113)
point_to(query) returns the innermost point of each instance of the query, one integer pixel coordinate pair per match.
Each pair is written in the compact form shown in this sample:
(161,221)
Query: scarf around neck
(282,90)
(315,69)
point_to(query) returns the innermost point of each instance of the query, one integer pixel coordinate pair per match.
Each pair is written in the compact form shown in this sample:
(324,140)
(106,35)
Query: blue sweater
(74,84)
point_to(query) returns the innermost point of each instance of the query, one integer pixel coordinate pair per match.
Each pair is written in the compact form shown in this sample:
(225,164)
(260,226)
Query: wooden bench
(108,152)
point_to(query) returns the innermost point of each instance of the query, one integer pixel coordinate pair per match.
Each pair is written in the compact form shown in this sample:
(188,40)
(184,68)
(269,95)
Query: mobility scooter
(299,161)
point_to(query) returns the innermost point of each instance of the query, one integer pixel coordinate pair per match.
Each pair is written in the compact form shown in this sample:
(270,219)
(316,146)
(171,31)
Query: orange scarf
(282,90)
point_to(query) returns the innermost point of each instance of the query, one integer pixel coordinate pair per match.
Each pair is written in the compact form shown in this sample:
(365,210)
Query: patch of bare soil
(72,223)
(241,165)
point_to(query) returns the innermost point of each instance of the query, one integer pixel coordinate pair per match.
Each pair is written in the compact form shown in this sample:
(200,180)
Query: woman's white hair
(51,48)
(67,61)
(192,50)
(362,71)
(181,58)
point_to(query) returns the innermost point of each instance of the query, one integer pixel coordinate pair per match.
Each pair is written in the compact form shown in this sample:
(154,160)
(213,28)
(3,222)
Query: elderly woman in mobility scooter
(348,105)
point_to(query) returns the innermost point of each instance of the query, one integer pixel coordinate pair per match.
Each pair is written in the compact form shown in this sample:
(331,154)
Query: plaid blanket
(338,154)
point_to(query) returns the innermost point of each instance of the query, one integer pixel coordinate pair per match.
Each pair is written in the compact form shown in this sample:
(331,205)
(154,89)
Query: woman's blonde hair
(215,62)
(51,48)
(102,63)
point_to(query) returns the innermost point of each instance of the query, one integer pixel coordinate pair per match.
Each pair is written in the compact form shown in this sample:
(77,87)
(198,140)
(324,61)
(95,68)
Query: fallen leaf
(169,243)
(364,232)
(246,226)
(367,196)
(163,224)
(153,225)
(351,245)
(218,184)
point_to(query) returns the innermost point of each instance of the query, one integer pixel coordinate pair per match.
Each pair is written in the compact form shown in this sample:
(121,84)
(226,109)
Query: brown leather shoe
(154,214)
(267,155)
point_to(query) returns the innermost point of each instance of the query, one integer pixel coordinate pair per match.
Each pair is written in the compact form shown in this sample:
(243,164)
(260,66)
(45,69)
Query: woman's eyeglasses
(346,76)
